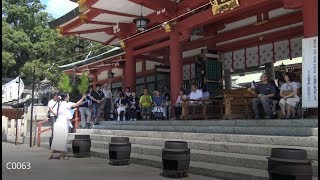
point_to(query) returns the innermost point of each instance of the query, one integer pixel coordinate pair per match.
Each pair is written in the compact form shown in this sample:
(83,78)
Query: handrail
(39,130)
(39,124)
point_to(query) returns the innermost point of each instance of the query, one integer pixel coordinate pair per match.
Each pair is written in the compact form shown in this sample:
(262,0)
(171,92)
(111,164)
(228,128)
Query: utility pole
(32,101)
(17,111)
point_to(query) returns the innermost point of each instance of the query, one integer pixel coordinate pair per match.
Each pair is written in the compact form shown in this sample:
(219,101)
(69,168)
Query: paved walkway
(91,168)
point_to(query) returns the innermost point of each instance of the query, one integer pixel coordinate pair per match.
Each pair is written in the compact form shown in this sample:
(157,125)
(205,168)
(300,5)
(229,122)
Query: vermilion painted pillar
(310,18)
(175,67)
(130,69)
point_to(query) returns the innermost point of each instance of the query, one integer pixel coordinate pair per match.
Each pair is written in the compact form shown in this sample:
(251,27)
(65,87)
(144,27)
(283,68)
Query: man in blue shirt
(265,91)
(84,109)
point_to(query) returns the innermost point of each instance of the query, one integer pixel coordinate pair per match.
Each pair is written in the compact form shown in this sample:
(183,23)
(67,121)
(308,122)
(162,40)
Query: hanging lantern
(283,68)
(79,48)
(141,22)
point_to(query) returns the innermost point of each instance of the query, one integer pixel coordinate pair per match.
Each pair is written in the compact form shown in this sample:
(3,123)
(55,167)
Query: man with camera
(52,113)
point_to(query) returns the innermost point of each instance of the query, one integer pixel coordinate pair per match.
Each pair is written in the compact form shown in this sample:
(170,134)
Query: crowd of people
(101,104)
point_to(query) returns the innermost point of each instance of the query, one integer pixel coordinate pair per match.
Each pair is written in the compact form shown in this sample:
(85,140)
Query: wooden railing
(202,109)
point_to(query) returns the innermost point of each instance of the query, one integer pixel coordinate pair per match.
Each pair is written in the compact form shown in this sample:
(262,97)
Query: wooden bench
(202,109)
(238,104)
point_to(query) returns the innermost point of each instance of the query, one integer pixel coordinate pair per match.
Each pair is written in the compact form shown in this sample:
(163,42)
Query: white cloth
(159,109)
(61,126)
(52,103)
(291,101)
(196,95)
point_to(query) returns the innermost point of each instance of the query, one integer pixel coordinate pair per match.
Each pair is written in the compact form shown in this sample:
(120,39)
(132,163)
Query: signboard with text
(310,81)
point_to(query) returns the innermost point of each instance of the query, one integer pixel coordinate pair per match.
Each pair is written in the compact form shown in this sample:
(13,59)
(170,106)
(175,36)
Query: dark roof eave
(65,18)
(91,60)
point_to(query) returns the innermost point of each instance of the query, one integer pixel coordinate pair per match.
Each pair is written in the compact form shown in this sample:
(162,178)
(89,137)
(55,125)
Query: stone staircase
(226,149)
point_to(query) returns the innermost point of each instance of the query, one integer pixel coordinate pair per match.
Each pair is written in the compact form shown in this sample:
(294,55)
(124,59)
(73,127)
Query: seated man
(158,102)
(265,91)
(122,105)
(195,94)
(145,104)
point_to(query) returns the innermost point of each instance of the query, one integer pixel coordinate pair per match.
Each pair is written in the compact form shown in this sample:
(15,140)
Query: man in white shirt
(108,103)
(53,108)
(195,94)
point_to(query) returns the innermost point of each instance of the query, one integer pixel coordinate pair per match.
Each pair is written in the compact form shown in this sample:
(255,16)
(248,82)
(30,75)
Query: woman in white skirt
(62,124)
(289,98)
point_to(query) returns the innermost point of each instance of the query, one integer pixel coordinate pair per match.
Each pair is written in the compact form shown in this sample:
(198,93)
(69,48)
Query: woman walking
(61,126)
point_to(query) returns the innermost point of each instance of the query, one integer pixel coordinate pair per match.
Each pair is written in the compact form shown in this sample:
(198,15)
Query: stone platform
(224,149)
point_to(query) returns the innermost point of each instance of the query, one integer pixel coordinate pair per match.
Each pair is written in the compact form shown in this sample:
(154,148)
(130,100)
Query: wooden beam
(152,48)
(292,4)
(206,17)
(274,23)
(149,58)
(110,40)
(103,11)
(267,38)
(108,30)
(148,37)
(101,23)
(78,22)
(155,5)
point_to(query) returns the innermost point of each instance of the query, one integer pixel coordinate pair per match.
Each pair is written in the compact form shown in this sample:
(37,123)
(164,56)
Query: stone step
(278,131)
(232,159)
(228,147)
(233,123)
(208,169)
(311,141)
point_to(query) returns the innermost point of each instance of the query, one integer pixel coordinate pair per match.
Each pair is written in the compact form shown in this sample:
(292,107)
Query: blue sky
(58,8)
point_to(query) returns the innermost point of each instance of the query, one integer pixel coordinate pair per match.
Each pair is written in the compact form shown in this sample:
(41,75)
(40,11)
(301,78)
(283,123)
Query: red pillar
(175,66)
(310,18)
(130,69)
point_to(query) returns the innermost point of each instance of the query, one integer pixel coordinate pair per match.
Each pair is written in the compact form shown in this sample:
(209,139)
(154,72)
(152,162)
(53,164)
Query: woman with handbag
(62,124)
(289,100)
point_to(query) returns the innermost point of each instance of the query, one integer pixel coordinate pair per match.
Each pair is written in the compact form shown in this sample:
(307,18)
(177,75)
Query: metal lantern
(79,48)
(282,68)
(141,22)
(45,91)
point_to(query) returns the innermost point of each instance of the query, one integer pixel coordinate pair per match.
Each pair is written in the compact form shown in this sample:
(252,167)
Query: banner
(310,72)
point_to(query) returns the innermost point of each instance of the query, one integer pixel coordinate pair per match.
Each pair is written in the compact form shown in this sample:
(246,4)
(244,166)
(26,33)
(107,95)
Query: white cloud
(58,8)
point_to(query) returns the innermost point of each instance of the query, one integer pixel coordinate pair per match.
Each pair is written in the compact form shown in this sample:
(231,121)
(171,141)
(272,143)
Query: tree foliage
(28,41)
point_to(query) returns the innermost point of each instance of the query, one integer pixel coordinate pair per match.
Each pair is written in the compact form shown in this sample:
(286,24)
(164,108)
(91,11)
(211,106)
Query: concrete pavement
(91,168)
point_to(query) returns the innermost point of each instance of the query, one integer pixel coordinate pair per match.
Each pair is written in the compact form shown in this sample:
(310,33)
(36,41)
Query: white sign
(310,72)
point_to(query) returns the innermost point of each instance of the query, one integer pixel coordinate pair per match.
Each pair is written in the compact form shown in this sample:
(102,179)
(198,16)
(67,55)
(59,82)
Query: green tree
(28,41)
